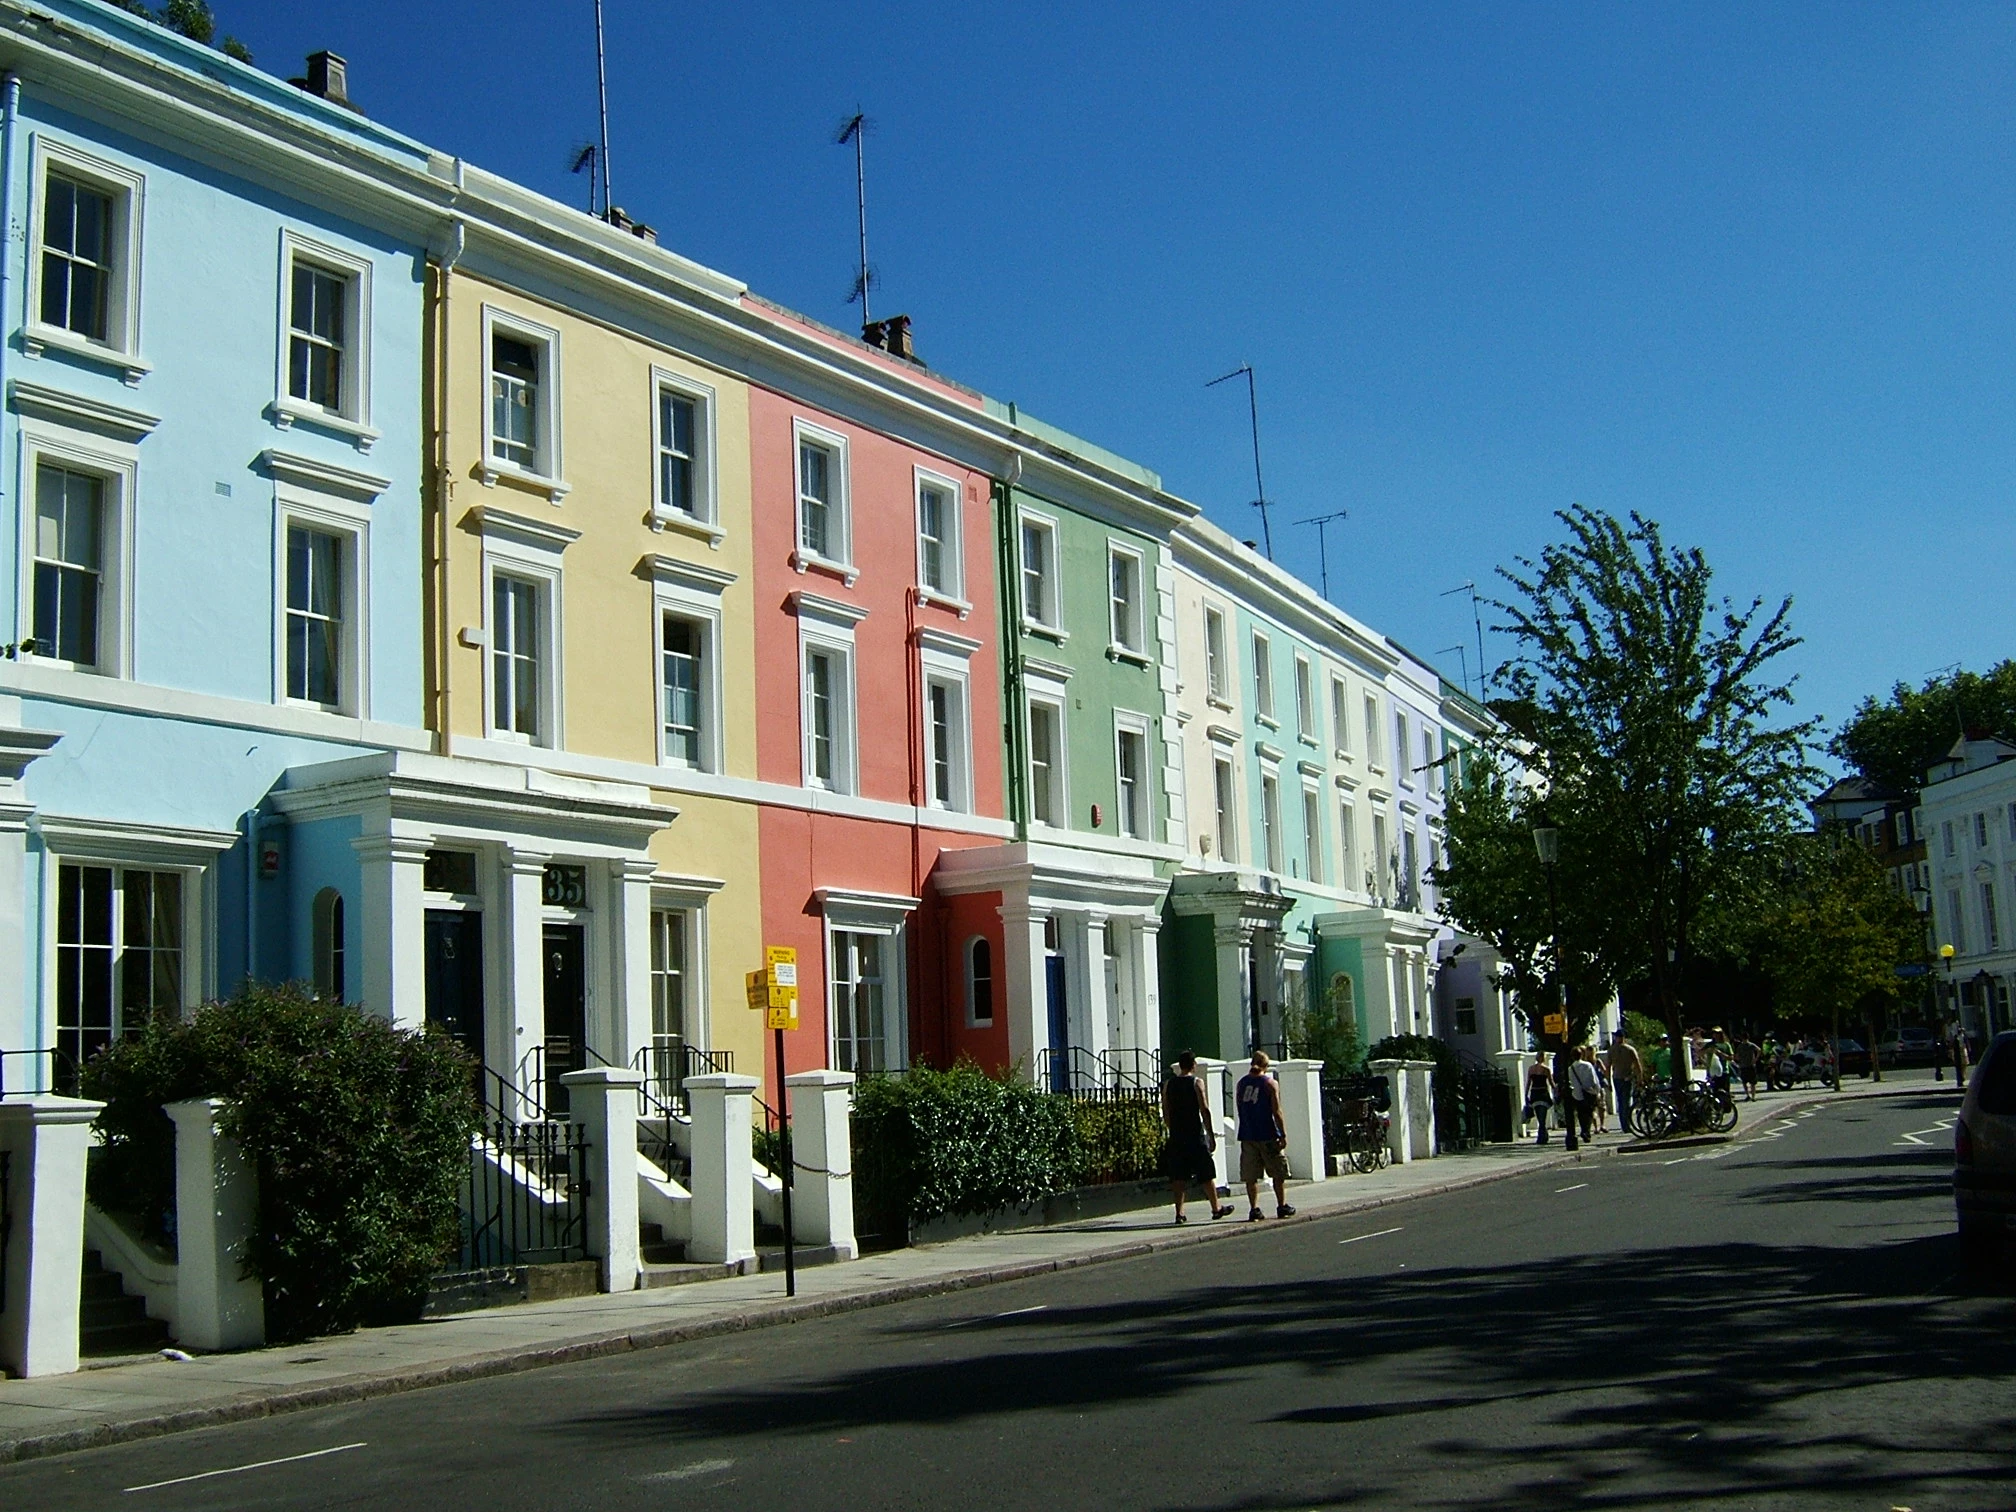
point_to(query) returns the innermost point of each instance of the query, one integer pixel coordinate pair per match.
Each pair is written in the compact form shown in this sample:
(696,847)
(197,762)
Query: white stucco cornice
(1213,556)
(322,477)
(46,402)
(673,571)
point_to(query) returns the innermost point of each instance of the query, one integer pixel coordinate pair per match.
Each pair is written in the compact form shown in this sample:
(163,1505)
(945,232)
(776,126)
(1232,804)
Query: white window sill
(942,600)
(37,338)
(1307,740)
(1267,721)
(85,669)
(806,561)
(1119,653)
(662,520)
(514,737)
(1341,754)
(492,472)
(1055,634)
(1045,824)
(1219,701)
(838,790)
(286,412)
(313,706)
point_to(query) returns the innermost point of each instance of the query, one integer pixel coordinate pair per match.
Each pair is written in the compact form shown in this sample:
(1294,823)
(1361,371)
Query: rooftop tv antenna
(1462,661)
(584,159)
(1323,541)
(1260,499)
(1477,617)
(602,103)
(855,129)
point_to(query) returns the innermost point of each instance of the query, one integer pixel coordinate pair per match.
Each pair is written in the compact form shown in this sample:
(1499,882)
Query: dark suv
(1984,1155)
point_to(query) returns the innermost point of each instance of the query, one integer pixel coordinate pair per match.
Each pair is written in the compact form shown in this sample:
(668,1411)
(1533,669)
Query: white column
(216,1205)
(16,960)
(630,964)
(1234,942)
(1025,1003)
(603,1100)
(1302,1116)
(521,952)
(44,1141)
(1094,1017)
(1212,1074)
(1148,984)
(822,1157)
(392,870)
(1421,1109)
(724,1218)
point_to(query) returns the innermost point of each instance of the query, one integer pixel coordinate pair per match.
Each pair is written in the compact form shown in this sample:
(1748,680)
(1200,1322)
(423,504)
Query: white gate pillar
(603,1100)
(392,873)
(43,1141)
(1212,1074)
(1301,1083)
(1027,1002)
(521,947)
(217,1306)
(724,1215)
(822,1154)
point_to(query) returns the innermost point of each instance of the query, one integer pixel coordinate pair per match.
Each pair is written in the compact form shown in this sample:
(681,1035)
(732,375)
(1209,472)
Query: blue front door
(1060,1024)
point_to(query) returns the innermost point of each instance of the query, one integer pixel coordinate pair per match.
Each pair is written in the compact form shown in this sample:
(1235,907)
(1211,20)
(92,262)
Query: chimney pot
(327,78)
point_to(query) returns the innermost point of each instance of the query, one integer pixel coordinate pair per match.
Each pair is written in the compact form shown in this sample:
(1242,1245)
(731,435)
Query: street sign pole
(784,1130)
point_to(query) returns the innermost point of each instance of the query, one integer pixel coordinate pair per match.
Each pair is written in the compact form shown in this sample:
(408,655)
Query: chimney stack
(327,78)
(891,336)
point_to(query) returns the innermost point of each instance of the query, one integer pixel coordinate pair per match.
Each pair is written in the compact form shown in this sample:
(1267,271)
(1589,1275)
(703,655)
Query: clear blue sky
(1745,268)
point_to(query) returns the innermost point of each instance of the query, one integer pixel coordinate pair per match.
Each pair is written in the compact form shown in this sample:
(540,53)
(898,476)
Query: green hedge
(1117,1141)
(932,1143)
(359,1132)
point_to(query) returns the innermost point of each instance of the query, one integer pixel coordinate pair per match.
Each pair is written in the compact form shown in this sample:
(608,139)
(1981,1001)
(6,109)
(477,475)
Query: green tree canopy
(1891,742)
(1833,934)
(1649,714)
(191,19)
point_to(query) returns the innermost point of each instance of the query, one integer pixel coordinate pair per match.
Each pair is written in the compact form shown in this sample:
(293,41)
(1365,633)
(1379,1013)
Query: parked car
(1913,1045)
(1854,1057)
(1984,1156)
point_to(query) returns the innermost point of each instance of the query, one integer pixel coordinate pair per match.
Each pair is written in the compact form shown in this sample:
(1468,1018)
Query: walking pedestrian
(1539,1095)
(1627,1069)
(1189,1153)
(1748,1054)
(1585,1088)
(1957,1047)
(1263,1138)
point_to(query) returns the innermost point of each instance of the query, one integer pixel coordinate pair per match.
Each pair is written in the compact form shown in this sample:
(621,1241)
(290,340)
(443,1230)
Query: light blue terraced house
(210,473)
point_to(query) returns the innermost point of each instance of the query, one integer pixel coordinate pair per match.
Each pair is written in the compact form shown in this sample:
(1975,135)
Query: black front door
(455,977)
(566,1009)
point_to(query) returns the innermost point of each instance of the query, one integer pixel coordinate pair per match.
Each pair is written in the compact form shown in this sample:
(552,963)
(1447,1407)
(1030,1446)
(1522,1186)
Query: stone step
(109,1322)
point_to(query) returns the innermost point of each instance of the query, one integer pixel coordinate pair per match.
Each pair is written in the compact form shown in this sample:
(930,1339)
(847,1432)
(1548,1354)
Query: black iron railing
(667,1063)
(1073,1071)
(1119,1133)
(1345,1099)
(1474,1106)
(36,1073)
(525,1201)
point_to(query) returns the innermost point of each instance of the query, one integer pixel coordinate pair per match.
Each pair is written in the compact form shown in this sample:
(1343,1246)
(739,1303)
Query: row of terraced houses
(474,608)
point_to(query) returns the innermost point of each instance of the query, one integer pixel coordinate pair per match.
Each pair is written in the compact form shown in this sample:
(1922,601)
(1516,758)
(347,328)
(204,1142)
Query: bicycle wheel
(1364,1156)
(1722,1114)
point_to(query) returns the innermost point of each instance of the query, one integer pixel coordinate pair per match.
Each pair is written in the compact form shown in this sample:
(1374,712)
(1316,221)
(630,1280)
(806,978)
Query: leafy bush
(359,1132)
(1327,1029)
(932,1143)
(1117,1141)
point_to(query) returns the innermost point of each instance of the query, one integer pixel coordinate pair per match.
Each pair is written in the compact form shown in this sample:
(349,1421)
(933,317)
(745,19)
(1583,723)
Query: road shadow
(1625,1363)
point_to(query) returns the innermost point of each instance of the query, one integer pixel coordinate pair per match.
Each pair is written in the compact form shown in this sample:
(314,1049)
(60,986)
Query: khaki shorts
(1257,1159)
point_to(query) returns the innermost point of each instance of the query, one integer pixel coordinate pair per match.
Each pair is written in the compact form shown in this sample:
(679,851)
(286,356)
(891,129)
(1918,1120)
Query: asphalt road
(1776,1323)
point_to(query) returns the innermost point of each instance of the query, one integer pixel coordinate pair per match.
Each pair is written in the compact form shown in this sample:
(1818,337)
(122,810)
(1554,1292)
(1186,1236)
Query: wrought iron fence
(1344,1101)
(666,1064)
(1119,1134)
(48,1070)
(1072,1070)
(1474,1106)
(524,1202)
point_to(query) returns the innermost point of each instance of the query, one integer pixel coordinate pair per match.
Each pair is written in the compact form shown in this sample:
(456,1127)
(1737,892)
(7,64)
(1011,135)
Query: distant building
(1967,818)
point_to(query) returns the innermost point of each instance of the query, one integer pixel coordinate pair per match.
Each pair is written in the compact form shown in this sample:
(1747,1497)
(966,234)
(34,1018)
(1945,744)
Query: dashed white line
(1575,1188)
(287,1459)
(1376,1234)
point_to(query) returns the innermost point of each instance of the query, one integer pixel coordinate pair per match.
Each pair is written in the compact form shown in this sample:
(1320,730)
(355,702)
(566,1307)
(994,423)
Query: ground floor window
(670,980)
(120,935)
(861,1002)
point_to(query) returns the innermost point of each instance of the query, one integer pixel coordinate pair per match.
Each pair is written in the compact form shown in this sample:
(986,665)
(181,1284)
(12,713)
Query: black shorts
(1189,1160)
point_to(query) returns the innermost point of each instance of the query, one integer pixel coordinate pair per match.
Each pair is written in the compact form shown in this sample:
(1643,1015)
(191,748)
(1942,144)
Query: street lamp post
(1547,842)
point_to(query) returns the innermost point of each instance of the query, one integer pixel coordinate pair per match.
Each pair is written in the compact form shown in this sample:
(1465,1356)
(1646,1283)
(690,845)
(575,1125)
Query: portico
(1396,950)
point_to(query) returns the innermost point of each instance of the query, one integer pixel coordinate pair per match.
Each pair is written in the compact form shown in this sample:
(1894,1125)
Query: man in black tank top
(1188,1154)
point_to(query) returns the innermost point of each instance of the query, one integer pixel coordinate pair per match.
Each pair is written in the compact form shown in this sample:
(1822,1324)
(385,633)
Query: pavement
(121,1403)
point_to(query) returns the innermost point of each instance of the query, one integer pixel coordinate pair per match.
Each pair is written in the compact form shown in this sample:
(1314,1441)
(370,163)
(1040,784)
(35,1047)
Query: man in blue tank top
(1263,1138)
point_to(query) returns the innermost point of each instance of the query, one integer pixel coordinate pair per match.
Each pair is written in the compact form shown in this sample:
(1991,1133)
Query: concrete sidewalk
(120,1402)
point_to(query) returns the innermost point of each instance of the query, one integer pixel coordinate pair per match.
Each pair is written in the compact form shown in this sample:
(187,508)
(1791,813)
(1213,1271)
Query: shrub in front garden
(359,1132)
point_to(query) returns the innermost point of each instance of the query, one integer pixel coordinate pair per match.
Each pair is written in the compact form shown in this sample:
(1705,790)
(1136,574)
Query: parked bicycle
(1703,1108)
(1364,1129)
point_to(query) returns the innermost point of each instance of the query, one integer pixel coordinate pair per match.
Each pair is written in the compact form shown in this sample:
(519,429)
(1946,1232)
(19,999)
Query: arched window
(1343,997)
(330,951)
(980,980)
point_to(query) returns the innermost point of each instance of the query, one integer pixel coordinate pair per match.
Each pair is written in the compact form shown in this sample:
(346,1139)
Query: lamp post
(1547,843)
(1951,1007)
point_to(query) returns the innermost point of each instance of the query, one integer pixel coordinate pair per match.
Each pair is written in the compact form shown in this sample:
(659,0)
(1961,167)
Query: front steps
(110,1322)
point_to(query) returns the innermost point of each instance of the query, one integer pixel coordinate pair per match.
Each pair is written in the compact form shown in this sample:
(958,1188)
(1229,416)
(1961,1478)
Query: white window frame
(515,546)
(1225,806)
(1305,700)
(705,522)
(1347,843)
(351,524)
(690,896)
(1273,855)
(973,1019)
(945,660)
(1431,758)
(1053,703)
(840,526)
(887,916)
(1263,679)
(1372,728)
(117,465)
(1216,687)
(1340,718)
(548,470)
(1128,641)
(685,590)
(1051,628)
(950,594)
(826,627)
(128,189)
(1126,722)
(353,417)
(1313,869)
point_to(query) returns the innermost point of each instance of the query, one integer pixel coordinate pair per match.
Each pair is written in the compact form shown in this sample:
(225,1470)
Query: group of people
(1190,1154)
(1594,1086)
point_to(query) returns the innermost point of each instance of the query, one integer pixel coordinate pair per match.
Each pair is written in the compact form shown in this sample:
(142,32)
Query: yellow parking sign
(784,1018)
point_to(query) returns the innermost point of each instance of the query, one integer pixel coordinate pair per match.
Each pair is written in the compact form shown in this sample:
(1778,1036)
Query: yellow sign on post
(784,1018)
(1554,1023)
(774,989)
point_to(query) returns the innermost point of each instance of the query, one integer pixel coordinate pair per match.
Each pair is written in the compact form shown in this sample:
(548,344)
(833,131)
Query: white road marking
(1015,1313)
(1944,1126)
(1575,1188)
(288,1459)
(1376,1234)
(687,1472)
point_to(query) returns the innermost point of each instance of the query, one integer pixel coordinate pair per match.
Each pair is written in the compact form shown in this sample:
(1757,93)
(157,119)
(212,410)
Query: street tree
(1491,887)
(1892,741)
(1834,934)
(1652,716)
